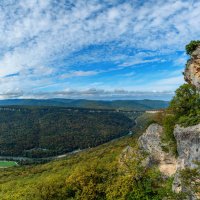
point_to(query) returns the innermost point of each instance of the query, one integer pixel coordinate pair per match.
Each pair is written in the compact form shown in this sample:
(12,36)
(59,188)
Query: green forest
(47,131)
(110,171)
(98,173)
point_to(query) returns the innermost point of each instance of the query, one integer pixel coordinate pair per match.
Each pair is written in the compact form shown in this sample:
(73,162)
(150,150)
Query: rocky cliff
(150,141)
(188,147)
(192,70)
(187,138)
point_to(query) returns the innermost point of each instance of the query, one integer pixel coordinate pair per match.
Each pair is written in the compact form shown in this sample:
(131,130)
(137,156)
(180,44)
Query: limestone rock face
(188,147)
(192,71)
(150,141)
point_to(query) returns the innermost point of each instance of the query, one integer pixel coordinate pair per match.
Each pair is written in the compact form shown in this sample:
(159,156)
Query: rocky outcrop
(130,158)
(150,141)
(192,70)
(188,147)
(126,155)
(188,139)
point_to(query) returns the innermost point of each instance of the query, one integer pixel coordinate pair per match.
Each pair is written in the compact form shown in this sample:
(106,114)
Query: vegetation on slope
(46,131)
(186,105)
(94,174)
(190,179)
(184,109)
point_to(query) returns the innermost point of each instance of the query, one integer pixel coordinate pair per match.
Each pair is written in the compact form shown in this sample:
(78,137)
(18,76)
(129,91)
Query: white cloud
(178,80)
(92,93)
(138,61)
(35,36)
(79,74)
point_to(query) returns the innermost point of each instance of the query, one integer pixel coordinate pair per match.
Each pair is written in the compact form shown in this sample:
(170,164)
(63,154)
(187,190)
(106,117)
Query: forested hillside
(48,131)
(115,170)
(101,173)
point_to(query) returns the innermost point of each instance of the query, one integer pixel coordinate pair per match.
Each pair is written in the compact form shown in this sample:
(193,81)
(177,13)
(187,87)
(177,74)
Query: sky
(95,49)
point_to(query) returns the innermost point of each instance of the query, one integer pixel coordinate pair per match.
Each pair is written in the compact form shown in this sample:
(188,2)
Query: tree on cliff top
(186,105)
(192,46)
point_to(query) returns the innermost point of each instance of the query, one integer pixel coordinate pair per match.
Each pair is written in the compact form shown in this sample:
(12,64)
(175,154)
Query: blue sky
(95,49)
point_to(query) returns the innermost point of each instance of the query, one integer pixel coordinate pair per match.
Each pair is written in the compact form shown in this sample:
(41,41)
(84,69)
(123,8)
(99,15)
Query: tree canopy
(192,46)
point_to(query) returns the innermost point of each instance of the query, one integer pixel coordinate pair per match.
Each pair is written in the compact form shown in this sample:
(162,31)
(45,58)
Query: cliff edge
(188,147)
(192,70)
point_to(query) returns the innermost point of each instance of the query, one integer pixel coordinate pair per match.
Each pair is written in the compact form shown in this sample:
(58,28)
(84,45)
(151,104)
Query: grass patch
(4,164)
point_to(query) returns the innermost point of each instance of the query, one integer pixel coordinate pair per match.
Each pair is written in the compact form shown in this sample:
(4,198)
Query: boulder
(151,142)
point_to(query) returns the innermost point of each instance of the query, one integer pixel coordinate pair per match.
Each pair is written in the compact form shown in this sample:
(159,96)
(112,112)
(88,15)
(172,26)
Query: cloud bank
(46,45)
(92,94)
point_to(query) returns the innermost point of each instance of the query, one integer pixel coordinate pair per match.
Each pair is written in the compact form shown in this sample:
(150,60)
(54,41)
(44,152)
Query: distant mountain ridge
(140,105)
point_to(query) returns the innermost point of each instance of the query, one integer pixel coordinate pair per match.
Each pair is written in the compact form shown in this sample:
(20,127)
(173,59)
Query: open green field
(7,164)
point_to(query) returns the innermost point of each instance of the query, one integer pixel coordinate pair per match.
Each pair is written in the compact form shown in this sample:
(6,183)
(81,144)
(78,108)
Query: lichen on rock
(188,147)
(151,142)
